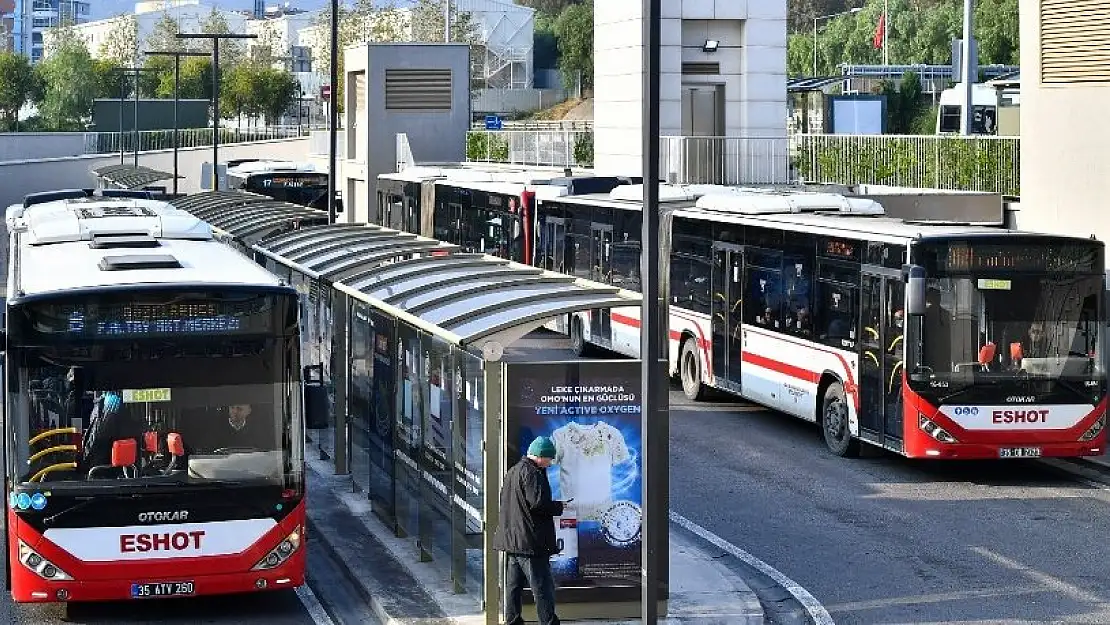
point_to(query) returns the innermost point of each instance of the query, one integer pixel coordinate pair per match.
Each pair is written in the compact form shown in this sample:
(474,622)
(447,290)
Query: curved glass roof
(466,298)
(130,176)
(249,217)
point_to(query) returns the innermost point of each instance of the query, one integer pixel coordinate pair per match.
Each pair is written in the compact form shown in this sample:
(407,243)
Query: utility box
(419,89)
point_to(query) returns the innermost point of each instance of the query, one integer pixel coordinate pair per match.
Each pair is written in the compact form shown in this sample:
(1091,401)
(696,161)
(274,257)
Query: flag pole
(886,32)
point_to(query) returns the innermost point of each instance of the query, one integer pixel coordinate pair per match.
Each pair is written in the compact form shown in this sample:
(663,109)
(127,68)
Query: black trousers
(536,573)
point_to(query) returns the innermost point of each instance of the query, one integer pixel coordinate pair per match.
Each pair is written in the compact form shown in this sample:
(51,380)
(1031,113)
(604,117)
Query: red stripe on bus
(702,343)
(778,366)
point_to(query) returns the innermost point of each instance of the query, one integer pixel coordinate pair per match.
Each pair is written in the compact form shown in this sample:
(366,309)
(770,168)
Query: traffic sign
(325,92)
(493,122)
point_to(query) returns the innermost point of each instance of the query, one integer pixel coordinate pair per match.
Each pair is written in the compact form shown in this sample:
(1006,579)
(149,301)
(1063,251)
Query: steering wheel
(227,451)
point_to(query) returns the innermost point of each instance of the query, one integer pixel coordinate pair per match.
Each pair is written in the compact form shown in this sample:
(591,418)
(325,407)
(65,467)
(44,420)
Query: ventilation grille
(418,89)
(123,240)
(701,68)
(94,212)
(139,261)
(1075,41)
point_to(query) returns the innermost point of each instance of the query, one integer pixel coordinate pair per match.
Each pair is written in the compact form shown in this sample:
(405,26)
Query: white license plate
(163,589)
(1019,452)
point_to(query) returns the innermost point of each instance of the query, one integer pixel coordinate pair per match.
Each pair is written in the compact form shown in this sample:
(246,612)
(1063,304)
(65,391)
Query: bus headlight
(932,429)
(1095,428)
(278,555)
(41,566)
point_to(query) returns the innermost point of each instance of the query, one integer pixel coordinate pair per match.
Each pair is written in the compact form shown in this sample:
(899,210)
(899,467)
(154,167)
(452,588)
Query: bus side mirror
(915,289)
(315,398)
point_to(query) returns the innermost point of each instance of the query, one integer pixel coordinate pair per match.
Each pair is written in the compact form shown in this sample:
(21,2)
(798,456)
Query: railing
(554,148)
(112,142)
(977,163)
(725,160)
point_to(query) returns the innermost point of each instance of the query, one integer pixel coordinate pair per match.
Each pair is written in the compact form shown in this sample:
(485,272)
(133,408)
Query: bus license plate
(162,589)
(1019,452)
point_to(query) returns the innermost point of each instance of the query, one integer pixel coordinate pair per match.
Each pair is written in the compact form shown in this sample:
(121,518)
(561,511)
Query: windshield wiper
(54,517)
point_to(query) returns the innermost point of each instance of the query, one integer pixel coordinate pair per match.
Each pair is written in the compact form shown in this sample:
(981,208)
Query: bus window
(797,278)
(690,282)
(764,303)
(835,314)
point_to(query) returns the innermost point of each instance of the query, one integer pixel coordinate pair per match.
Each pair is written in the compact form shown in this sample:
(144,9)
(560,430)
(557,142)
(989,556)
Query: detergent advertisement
(591,410)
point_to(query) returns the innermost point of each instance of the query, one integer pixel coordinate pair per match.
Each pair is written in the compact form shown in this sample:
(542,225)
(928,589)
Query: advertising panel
(591,410)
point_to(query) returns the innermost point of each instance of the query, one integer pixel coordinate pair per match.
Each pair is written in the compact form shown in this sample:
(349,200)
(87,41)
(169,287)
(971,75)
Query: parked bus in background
(296,183)
(154,420)
(929,340)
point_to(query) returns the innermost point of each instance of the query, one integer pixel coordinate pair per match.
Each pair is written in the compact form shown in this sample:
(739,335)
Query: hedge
(972,164)
(486,146)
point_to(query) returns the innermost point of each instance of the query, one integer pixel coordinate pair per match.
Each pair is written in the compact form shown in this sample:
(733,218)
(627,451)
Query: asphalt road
(883,539)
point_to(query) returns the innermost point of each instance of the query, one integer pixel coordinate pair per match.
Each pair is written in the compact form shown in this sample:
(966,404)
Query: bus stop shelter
(247,218)
(410,333)
(128,176)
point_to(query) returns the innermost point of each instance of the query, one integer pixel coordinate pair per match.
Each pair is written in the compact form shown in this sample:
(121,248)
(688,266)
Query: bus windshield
(169,398)
(1042,326)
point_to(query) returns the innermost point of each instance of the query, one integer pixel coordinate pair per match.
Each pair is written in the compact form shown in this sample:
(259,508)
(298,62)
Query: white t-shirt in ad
(585,455)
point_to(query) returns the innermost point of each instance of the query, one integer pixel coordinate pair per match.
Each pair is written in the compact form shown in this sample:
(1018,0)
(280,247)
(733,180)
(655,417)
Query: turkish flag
(880,32)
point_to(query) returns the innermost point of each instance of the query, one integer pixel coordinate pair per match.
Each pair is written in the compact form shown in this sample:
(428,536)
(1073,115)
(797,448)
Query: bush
(584,150)
(975,164)
(486,146)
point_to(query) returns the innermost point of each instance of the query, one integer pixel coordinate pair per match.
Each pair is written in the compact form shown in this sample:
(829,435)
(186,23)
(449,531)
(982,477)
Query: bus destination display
(136,320)
(290,181)
(970,258)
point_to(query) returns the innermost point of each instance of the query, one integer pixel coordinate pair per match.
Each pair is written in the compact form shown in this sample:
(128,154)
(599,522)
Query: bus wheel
(834,422)
(578,343)
(689,368)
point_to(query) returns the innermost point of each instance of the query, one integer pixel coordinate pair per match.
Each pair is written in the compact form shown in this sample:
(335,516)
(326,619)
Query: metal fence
(977,163)
(554,148)
(725,160)
(112,142)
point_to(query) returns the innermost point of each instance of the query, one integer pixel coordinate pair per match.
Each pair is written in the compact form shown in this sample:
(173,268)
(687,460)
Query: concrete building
(723,66)
(26,23)
(1065,84)
(189,14)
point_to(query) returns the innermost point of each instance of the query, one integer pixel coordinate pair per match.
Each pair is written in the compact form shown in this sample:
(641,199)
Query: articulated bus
(482,210)
(930,340)
(154,438)
(296,183)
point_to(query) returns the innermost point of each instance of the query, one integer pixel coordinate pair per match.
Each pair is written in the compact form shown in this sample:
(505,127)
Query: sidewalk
(402,591)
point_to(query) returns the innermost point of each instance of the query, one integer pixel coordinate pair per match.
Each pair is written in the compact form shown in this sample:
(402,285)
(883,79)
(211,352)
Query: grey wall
(153,114)
(435,136)
(31,176)
(15,146)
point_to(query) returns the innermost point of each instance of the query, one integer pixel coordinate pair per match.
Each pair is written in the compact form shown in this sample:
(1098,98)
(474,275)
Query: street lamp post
(135,129)
(176,54)
(333,114)
(826,17)
(215,37)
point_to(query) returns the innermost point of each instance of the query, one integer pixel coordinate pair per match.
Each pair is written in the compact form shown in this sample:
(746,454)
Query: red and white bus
(154,438)
(929,340)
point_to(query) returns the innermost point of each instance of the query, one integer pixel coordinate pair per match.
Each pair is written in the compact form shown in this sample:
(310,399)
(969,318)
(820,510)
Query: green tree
(237,92)
(122,44)
(232,52)
(276,91)
(108,79)
(196,79)
(69,77)
(574,32)
(550,7)
(17,87)
(159,72)
(163,36)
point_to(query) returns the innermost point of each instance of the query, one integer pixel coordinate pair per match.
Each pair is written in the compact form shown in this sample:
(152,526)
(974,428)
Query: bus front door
(601,329)
(881,364)
(726,311)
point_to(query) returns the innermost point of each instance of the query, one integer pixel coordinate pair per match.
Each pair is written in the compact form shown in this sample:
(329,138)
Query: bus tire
(834,422)
(689,370)
(578,343)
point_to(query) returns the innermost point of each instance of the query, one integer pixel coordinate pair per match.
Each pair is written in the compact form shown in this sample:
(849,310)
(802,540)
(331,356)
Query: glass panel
(407,434)
(469,462)
(360,380)
(421,279)
(493,298)
(383,416)
(436,537)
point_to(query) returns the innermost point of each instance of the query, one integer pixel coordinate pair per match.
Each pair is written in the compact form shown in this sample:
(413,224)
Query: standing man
(526,532)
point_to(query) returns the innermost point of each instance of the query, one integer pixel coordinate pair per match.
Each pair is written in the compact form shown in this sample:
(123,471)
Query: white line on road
(816,611)
(312,604)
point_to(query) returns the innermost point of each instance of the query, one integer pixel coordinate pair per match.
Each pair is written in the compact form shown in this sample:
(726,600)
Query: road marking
(1049,581)
(312,604)
(816,611)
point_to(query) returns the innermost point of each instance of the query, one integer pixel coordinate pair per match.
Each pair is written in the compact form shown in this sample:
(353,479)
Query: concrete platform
(400,590)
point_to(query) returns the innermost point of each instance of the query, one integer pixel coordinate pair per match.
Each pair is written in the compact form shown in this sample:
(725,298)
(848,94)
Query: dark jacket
(526,524)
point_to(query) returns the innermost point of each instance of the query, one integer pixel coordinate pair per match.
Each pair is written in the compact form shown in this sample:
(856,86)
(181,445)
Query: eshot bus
(154,420)
(930,340)
(488,211)
(296,183)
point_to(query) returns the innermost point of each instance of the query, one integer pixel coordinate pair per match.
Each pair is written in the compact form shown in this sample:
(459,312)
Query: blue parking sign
(493,122)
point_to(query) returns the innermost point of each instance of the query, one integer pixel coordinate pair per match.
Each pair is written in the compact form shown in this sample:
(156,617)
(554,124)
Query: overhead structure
(130,176)
(247,217)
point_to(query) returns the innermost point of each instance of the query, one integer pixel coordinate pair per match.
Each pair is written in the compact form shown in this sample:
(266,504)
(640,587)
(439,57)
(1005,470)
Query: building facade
(723,68)
(1065,85)
(26,24)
